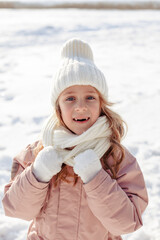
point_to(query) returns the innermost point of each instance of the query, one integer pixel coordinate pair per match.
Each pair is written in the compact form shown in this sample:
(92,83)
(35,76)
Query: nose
(80,106)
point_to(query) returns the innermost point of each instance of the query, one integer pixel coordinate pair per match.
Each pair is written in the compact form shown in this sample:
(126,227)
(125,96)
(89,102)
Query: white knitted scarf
(97,137)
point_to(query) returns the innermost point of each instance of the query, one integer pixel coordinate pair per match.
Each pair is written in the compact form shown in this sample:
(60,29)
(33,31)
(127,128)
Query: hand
(87,165)
(47,164)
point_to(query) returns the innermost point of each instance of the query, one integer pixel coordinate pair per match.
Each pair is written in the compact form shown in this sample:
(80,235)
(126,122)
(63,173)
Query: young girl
(78,182)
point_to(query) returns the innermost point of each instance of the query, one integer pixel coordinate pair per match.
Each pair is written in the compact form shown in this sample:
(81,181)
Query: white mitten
(47,164)
(87,165)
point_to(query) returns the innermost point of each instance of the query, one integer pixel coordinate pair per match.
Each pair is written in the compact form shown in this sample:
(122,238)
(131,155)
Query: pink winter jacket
(102,209)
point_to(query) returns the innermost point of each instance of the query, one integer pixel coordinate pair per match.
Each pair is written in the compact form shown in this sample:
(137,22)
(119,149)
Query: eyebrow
(72,92)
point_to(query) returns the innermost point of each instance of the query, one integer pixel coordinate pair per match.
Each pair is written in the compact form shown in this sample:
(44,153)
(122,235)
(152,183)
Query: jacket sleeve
(119,204)
(24,195)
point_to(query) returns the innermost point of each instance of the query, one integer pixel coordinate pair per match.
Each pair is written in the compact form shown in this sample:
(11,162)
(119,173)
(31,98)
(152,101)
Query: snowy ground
(126,47)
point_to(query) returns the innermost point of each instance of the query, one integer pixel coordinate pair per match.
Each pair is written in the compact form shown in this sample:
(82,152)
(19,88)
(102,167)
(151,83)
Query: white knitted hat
(76,68)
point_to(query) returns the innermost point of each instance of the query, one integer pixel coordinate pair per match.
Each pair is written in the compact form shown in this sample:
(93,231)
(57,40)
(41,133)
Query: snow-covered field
(126,46)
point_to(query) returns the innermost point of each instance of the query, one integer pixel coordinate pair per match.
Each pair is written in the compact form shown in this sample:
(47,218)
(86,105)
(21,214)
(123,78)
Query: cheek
(97,114)
(65,113)
(98,109)
(62,111)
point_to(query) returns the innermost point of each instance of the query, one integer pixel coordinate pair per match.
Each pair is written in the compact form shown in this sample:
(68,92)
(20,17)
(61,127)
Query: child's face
(80,107)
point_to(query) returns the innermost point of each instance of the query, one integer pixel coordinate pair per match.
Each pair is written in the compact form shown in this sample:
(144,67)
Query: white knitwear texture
(97,137)
(87,165)
(48,129)
(77,67)
(47,164)
(76,48)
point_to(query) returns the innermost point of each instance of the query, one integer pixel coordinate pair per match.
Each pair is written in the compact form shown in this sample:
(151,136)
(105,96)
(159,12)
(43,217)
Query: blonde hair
(116,150)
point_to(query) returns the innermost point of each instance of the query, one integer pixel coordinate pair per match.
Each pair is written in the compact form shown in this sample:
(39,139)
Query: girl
(78,182)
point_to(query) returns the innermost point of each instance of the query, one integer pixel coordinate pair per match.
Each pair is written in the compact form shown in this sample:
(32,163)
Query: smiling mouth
(81,120)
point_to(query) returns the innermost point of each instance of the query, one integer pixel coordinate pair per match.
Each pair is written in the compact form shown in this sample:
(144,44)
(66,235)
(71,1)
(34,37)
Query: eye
(90,98)
(70,99)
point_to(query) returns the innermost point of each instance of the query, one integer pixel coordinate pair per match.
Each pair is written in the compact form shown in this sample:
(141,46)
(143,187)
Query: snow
(126,48)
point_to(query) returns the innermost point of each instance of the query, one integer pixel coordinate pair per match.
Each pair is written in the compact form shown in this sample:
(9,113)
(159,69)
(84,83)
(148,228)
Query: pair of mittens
(48,163)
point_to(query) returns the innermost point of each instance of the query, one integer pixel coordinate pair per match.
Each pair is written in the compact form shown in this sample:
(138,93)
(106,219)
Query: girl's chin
(80,128)
(79,131)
